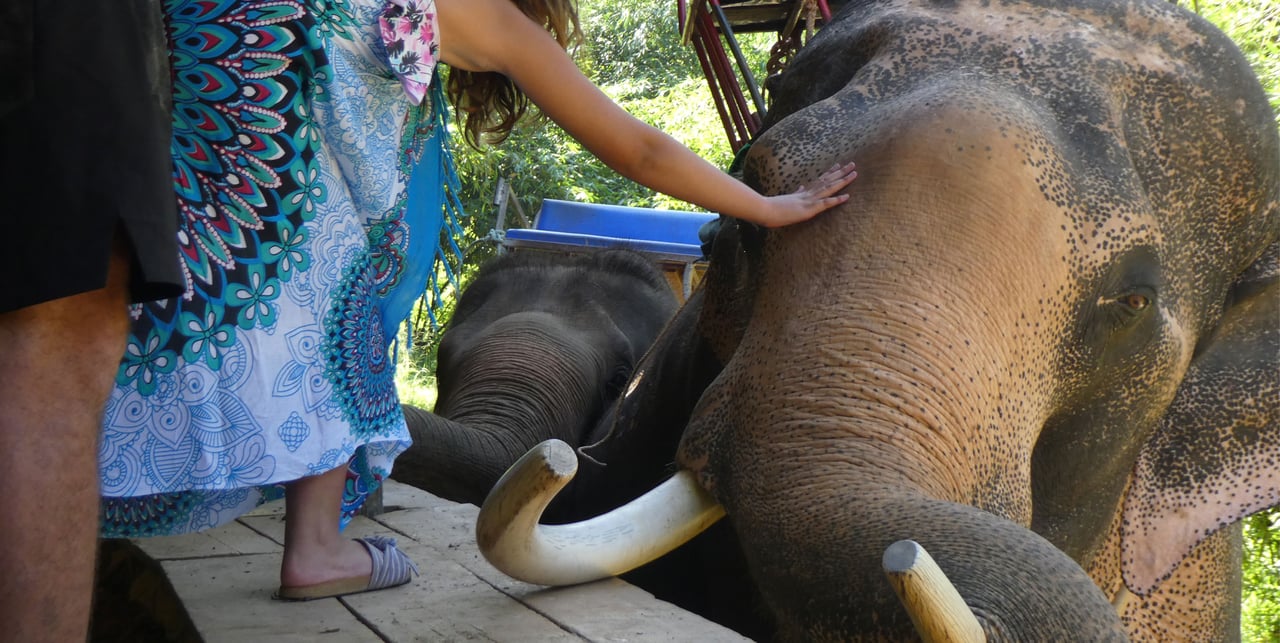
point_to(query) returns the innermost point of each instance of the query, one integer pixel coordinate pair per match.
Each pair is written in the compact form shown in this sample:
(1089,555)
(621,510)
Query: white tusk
(511,539)
(1121,601)
(935,607)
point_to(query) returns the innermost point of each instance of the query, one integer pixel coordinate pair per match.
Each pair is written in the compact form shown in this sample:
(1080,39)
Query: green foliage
(1255,27)
(634,46)
(1261,606)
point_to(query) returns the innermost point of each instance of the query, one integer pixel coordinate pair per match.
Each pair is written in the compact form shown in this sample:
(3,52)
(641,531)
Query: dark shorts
(85,131)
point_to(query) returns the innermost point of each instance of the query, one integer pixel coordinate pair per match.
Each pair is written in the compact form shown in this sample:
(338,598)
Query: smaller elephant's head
(539,346)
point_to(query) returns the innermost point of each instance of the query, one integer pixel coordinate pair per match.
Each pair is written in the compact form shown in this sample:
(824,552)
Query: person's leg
(314,550)
(57,362)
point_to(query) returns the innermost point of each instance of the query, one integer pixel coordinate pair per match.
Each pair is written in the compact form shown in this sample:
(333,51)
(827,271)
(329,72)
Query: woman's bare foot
(314,550)
(318,563)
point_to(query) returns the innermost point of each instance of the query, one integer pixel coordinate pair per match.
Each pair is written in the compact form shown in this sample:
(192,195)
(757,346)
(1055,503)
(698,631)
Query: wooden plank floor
(225,578)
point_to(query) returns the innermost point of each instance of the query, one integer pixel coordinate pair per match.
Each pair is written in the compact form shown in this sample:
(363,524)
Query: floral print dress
(309,173)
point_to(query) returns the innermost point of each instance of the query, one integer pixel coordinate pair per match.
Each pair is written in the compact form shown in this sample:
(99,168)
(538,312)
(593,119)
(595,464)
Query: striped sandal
(391,568)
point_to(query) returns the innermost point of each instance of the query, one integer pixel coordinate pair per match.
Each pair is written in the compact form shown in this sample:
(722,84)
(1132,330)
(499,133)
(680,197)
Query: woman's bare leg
(314,550)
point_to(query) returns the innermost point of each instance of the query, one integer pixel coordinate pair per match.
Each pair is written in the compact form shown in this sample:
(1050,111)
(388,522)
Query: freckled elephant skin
(1039,338)
(539,347)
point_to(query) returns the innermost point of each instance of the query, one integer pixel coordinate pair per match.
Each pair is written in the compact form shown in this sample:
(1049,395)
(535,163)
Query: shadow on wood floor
(134,601)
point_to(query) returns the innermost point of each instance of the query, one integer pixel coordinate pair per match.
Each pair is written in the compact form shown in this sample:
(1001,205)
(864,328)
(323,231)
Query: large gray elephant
(1041,339)
(539,346)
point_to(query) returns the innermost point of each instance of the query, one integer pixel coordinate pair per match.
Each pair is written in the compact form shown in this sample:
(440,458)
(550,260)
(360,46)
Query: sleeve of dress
(411,37)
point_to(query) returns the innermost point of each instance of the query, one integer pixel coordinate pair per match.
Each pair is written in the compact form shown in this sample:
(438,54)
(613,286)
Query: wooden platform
(225,578)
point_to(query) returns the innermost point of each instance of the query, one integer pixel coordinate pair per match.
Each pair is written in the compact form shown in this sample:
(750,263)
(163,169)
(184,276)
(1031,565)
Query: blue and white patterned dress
(297,151)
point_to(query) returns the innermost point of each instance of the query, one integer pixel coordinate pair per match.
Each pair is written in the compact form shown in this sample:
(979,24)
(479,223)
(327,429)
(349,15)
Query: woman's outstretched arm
(494,35)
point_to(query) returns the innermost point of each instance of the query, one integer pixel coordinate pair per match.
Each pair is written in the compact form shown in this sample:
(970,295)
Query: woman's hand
(494,35)
(809,200)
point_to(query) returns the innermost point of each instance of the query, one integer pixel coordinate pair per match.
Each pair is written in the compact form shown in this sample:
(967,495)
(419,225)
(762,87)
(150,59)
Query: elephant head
(538,347)
(1041,338)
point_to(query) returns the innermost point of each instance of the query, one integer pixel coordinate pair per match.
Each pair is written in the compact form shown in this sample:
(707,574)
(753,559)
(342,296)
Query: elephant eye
(1136,301)
(1127,308)
(618,380)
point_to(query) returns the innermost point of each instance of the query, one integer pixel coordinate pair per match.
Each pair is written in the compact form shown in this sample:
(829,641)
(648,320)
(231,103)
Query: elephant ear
(1215,457)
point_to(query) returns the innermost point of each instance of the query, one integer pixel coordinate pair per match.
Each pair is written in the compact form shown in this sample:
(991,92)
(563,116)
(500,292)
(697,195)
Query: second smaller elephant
(539,346)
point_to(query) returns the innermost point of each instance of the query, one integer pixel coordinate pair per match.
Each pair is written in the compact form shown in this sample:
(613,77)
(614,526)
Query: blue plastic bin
(665,235)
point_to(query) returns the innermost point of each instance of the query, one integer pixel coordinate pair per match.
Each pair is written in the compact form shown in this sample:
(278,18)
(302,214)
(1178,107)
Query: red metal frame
(699,28)
(740,122)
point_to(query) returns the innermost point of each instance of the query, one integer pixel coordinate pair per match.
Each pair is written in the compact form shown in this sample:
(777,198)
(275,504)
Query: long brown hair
(488,103)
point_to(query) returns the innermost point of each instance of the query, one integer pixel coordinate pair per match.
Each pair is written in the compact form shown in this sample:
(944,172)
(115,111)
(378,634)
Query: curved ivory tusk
(511,539)
(935,607)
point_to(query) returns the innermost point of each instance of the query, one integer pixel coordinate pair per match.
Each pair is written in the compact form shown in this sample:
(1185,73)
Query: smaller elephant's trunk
(450,460)
(525,380)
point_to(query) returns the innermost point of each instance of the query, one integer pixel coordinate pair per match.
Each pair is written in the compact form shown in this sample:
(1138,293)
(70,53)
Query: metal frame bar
(729,37)
(704,25)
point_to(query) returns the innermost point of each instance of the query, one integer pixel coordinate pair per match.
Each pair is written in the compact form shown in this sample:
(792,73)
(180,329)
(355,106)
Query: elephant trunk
(449,459)
(521,384)
(1017,584)
(529,376)
(888,470)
